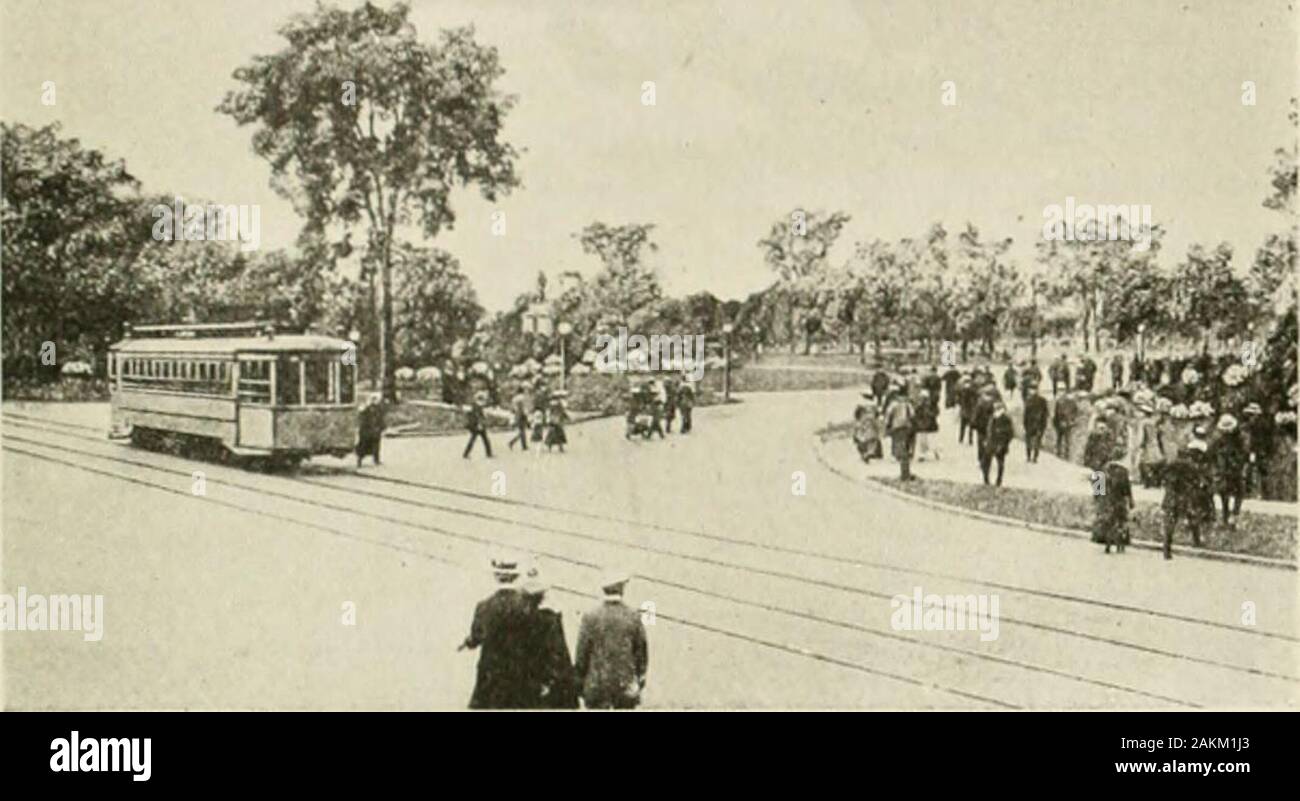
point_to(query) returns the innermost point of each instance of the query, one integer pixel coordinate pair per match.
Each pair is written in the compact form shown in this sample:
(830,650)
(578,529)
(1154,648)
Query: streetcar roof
(281,343)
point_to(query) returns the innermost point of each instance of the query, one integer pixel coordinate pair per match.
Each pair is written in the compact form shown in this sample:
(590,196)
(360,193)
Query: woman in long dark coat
(371,429)
(556,417)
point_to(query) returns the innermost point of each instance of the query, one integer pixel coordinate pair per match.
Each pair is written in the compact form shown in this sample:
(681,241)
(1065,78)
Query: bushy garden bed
(70,390)
(785,378)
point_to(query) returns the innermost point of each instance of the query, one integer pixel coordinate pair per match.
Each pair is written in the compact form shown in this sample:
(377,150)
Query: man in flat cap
(612,656)
(499,627)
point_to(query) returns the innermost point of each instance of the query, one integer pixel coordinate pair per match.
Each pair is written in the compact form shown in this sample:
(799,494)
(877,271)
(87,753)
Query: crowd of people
(905,407)
(1154,418)
(524,658)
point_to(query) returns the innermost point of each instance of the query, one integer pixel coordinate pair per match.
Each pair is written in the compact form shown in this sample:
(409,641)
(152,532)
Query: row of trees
(81,261)
(966,289)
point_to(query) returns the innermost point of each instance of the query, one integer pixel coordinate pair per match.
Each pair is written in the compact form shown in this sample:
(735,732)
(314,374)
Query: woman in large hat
(556,417)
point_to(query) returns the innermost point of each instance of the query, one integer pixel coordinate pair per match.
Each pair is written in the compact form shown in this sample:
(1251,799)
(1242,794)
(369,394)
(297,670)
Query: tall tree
(365,125)
(987,291)
(1209,297)
(627,283)
(1272,279)
(1088,268)
(796,248)
(72,225)
(881,291)
(436,305)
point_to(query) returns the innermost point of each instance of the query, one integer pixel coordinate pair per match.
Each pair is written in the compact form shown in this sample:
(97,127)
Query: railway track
(65,430)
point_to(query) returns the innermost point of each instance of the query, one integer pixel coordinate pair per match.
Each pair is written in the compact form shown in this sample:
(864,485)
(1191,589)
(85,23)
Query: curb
(1074,533)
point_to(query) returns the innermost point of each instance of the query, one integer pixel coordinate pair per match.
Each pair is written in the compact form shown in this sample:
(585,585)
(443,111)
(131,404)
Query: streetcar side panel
(186,414)
(316,430)
(256,427)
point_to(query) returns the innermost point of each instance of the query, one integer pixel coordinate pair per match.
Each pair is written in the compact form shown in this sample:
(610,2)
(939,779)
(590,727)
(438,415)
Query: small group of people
(904,407)
(983,418)
(1191,478)
(524,658)
(540,414)
(1211,462)
(655,404)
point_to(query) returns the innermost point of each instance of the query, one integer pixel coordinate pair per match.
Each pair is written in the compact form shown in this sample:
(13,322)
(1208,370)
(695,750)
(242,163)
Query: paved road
(764,596)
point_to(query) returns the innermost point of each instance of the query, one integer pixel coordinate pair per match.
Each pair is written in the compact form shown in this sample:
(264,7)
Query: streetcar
(242,390)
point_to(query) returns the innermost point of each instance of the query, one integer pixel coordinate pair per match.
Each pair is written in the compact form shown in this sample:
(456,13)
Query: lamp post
(1142,342)
(727,328)
(564,329)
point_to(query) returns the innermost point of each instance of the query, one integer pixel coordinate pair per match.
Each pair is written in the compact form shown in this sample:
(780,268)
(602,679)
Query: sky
(761,107)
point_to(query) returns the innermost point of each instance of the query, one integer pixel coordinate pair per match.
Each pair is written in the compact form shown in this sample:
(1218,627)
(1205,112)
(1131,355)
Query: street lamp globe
(565,329)
(727,328)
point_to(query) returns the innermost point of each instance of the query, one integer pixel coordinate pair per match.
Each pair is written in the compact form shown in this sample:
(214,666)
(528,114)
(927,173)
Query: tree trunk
(1096,322)
(387,364)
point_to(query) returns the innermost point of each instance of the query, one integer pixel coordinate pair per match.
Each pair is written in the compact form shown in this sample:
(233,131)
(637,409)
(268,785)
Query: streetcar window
(318,380)
(288,381)
(255,381)
(347,383)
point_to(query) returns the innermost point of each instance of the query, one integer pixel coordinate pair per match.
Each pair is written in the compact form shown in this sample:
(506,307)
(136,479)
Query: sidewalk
(958,462)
